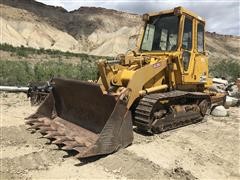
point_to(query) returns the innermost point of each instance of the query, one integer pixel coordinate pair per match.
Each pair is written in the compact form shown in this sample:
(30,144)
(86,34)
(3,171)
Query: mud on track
(205,150)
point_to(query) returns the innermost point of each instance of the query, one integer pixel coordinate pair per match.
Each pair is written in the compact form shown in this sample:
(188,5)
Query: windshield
(161,33)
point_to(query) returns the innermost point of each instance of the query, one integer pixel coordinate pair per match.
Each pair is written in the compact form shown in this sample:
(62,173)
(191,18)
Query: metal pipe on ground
(14,88)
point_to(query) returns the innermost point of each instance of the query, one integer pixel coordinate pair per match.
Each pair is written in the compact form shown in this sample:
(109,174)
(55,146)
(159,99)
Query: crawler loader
(160,85)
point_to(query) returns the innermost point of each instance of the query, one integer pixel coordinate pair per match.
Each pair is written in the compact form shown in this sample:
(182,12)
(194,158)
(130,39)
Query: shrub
(23,72)
(24,51)
(15,73)
(229,69)
(21,52)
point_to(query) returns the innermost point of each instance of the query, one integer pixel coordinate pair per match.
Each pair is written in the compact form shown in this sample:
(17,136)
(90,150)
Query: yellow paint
(153,89)
(154,71)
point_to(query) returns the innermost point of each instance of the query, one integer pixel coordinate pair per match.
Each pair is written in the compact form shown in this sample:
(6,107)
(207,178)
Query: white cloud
(53,2)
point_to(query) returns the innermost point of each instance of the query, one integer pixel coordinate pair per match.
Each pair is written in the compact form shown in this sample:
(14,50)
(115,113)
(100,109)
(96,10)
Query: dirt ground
(208,150)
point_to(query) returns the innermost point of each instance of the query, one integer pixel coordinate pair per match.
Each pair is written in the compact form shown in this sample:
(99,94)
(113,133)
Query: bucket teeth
(45,129)
(31,128)
(31,121)
(79,149)
(38,125)
(82,141)
(78,156)
(52,134)
(72,145)
(35,126)
(60,140)
(81,152)
(34,116)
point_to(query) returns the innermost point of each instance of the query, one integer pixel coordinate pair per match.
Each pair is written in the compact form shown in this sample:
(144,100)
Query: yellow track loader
(161,85)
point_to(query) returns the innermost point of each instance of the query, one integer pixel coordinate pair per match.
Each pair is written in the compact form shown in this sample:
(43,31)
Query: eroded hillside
(90,30)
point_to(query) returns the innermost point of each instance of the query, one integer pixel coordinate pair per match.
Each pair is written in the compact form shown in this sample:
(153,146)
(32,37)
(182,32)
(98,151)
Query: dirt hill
(90,30)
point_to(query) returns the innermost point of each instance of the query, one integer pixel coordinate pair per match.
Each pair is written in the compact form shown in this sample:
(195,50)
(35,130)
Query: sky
(222,16)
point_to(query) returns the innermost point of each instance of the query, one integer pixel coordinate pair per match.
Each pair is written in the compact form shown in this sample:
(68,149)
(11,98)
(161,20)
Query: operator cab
(171,30)
(178,31)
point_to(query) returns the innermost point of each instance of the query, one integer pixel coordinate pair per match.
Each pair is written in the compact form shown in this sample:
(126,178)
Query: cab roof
(179,10)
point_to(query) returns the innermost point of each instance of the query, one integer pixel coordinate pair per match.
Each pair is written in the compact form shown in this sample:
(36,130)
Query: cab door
(194,60)
(200,66)
(187,48)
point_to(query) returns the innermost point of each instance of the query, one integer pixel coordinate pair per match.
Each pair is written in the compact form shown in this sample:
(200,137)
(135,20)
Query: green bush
(229,69)
(23,72)
(21,52)
(15,73)
(25,51)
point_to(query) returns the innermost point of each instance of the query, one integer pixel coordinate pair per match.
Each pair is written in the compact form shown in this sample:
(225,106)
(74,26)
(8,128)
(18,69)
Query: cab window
(161,33)
(187,35)
(187,43)
(200,37)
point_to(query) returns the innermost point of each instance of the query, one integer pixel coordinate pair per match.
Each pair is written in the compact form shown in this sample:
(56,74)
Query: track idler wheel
(203,105)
